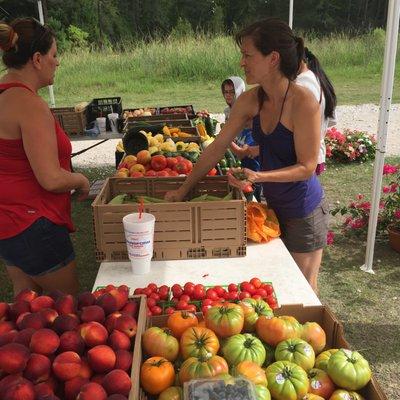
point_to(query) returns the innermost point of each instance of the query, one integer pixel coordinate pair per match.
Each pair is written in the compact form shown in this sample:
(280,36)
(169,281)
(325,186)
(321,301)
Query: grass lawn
(367,304)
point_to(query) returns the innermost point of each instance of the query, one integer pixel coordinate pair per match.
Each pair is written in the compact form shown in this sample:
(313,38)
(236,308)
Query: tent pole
(41,19)
(389,64)
(291,14)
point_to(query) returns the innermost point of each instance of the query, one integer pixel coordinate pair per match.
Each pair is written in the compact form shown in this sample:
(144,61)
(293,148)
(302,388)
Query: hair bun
(12,37)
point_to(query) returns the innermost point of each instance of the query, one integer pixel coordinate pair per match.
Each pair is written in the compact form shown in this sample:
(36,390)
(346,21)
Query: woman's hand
(242,178)
(83,189)
(174,195)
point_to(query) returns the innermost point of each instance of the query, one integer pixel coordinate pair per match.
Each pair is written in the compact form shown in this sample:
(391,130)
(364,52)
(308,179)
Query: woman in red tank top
(35,175)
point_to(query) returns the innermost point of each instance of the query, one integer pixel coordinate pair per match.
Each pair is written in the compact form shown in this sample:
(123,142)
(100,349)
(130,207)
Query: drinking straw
(141,206)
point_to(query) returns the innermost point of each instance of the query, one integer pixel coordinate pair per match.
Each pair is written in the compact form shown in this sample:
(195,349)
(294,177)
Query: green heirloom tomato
(296,351)
(349,369)
(226,320)
(345,395)
(172,393)
(252,309)
(287,381)
(243,347)
(321,362)
(262,392)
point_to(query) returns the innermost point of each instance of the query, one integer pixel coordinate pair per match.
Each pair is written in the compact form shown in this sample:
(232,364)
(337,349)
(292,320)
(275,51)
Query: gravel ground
(361,117)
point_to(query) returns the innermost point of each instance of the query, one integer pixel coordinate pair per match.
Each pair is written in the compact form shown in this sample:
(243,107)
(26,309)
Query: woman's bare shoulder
(303,99)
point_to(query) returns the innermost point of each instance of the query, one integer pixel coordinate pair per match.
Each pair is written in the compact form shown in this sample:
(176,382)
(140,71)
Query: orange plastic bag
(262,224)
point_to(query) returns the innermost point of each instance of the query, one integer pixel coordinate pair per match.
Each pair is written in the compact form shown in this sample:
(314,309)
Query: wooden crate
(183,230)
(320,314)
(73,123)
(156,117)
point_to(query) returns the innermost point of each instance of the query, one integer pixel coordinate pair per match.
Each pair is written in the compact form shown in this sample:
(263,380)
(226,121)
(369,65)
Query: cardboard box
(183,230)
(320,314)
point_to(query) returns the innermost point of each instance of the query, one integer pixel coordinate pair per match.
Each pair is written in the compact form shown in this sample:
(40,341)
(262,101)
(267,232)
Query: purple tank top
(287,199)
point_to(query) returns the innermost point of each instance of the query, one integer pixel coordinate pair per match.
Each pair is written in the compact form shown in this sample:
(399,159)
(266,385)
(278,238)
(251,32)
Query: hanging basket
(394,238)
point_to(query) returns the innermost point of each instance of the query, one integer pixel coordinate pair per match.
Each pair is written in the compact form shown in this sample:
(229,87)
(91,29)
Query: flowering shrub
(357,212)
(349,145)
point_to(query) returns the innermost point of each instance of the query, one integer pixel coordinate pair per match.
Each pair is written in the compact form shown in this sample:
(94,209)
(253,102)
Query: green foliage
(182,29)
(77,37)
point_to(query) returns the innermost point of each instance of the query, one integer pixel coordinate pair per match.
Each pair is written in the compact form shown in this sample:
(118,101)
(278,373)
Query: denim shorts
(307,234)
(41,248)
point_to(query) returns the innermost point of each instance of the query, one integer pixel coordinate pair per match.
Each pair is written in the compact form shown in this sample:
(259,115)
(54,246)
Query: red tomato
(256,282)
(204,309)
(180,158)
(247,189)
(181,305)
(256,297)
(192,308)
(138,291)
(173,173)
(169,310)
(177,290)
(151,302)
(262,292)
(232,296)
(248,287)
(153,287)
(158,163)
(207,302)
(155,296)
(188,288)
(147,291)
(171,161)
(181,167)
(268,288)
(242,285)
(232,287)
(189,165)
(175,300)
(220,290)
(162,173)
(199,293)
(212,294)
(244,295)
(149,313)
(212,172)
(163,292)
(185,297)
(150,172)
(156,310)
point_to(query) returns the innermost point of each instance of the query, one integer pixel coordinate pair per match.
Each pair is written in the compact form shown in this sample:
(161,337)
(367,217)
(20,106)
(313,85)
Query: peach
(8,381)
(44,341)
(136,174)
(67,365)
(30,320)
(110,321)
(18,308)
(143,157)
(86,299)
(122,173)
(66,305)
(93,333)
(126,324)
(8,337)
(98,378)
(64,323)
(4,311)
(13,358)
(73,387)
(130,160)
(121,297)
(48,397)
(101,358)
(119,341)
(93,313)
(49,315)
(43,389)
(41,302)
(124,360)
(107,302)
(137,168)
(131,308)
(22,390)
(38,368)
(27,295)
(98,293)
(85,371)
(6,326)
(24,336)
(71,341)
(92,391)
(117,382)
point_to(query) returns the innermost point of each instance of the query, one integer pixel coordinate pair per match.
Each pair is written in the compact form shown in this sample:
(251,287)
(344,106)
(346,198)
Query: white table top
(269,262)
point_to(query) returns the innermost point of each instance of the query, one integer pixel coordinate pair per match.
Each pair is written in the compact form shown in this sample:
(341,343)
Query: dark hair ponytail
(326,85)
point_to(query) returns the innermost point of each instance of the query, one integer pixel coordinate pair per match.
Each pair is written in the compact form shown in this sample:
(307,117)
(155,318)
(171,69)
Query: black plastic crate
(102,107)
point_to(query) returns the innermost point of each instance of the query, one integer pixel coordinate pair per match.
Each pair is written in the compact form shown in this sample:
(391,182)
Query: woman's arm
(40,145)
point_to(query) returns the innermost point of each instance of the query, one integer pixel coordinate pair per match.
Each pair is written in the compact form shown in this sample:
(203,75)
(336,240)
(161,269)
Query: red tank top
(22,199)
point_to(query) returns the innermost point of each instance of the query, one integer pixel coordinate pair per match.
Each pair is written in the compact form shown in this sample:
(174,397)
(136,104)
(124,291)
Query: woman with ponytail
(313,77)
(35,174)
(286,126)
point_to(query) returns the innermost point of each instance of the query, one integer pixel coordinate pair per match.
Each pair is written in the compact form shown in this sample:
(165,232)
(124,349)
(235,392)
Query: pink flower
(389,169)
(358,223)
(397,214)
(393,187)
(386,189)
(360,196)
(330,238)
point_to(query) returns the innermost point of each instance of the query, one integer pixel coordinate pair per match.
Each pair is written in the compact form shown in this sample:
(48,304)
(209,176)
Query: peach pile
(56,346)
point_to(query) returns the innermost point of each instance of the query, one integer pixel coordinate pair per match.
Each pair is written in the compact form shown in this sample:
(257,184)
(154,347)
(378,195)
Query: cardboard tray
(320,314)
(183,230)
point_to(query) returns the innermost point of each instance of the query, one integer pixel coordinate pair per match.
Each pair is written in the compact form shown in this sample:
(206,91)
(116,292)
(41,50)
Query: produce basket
(185,109)
(183,230)
(154,117)
(73,122)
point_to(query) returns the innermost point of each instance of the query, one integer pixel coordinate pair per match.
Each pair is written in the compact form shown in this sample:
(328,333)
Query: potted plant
(357,212)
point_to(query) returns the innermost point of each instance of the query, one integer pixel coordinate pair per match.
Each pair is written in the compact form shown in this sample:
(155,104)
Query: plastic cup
(113,118)
(101,124)
(139,236)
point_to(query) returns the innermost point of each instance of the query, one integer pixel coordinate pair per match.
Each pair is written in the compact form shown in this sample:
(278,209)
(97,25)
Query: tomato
(162,173)
(203,367)
(252,310)
(171,162)
(163,292)
(173,173)
(313,333)
(243,347)
(153,287)
(150,172)
(219,290)
(248,189)
(262,393)
(158,163)
(287,381)
(156,310)
(321,362)
(226,320)
(204,309)
(276,329)
(169,310)
(248,287)
(311,396)
(191,308)
(185,297)
(212,172)
(269,289)
(232,296)
(160,342)
(188,288)
(181,305)
(189,165)
(155,296)
(179,321)
(244,295)
(181,167)
(177,290)
(296,351)
(320,383)
(256,282)
(242,285)
(151,302)
(262,292)
(156,375)
(147,291)
(199,293)
(138,291)
(232,287)
(345,395)
(206,302)
(211,294)
(172,393)
(252,371)
(198,341)
(349,369)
